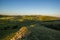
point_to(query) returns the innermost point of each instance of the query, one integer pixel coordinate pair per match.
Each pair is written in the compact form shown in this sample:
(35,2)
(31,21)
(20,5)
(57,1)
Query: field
(41,27)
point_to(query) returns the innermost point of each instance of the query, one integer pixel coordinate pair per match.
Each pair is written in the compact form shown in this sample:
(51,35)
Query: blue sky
(30,7)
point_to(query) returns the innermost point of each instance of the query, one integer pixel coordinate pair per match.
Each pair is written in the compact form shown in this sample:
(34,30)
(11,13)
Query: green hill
(41,27)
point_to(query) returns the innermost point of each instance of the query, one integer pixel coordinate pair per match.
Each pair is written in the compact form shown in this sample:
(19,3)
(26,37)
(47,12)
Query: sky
(30,7)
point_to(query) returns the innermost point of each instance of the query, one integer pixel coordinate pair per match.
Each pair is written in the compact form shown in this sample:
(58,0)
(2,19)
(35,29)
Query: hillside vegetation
(41,27)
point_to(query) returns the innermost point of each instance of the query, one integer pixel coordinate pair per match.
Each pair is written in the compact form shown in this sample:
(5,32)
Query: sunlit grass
(32,25)
(21,20)
(4,18)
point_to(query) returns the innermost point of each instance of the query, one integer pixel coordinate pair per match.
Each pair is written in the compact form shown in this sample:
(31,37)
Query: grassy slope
(6,34)
(38,32)
(42,33)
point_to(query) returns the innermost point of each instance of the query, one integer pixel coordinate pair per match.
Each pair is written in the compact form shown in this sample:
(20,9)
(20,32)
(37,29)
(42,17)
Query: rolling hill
(41,27)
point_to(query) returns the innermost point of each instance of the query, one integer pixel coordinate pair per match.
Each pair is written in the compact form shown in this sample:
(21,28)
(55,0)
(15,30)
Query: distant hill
(29,17)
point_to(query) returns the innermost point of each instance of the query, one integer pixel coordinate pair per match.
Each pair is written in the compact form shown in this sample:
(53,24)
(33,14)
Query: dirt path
(21,33)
